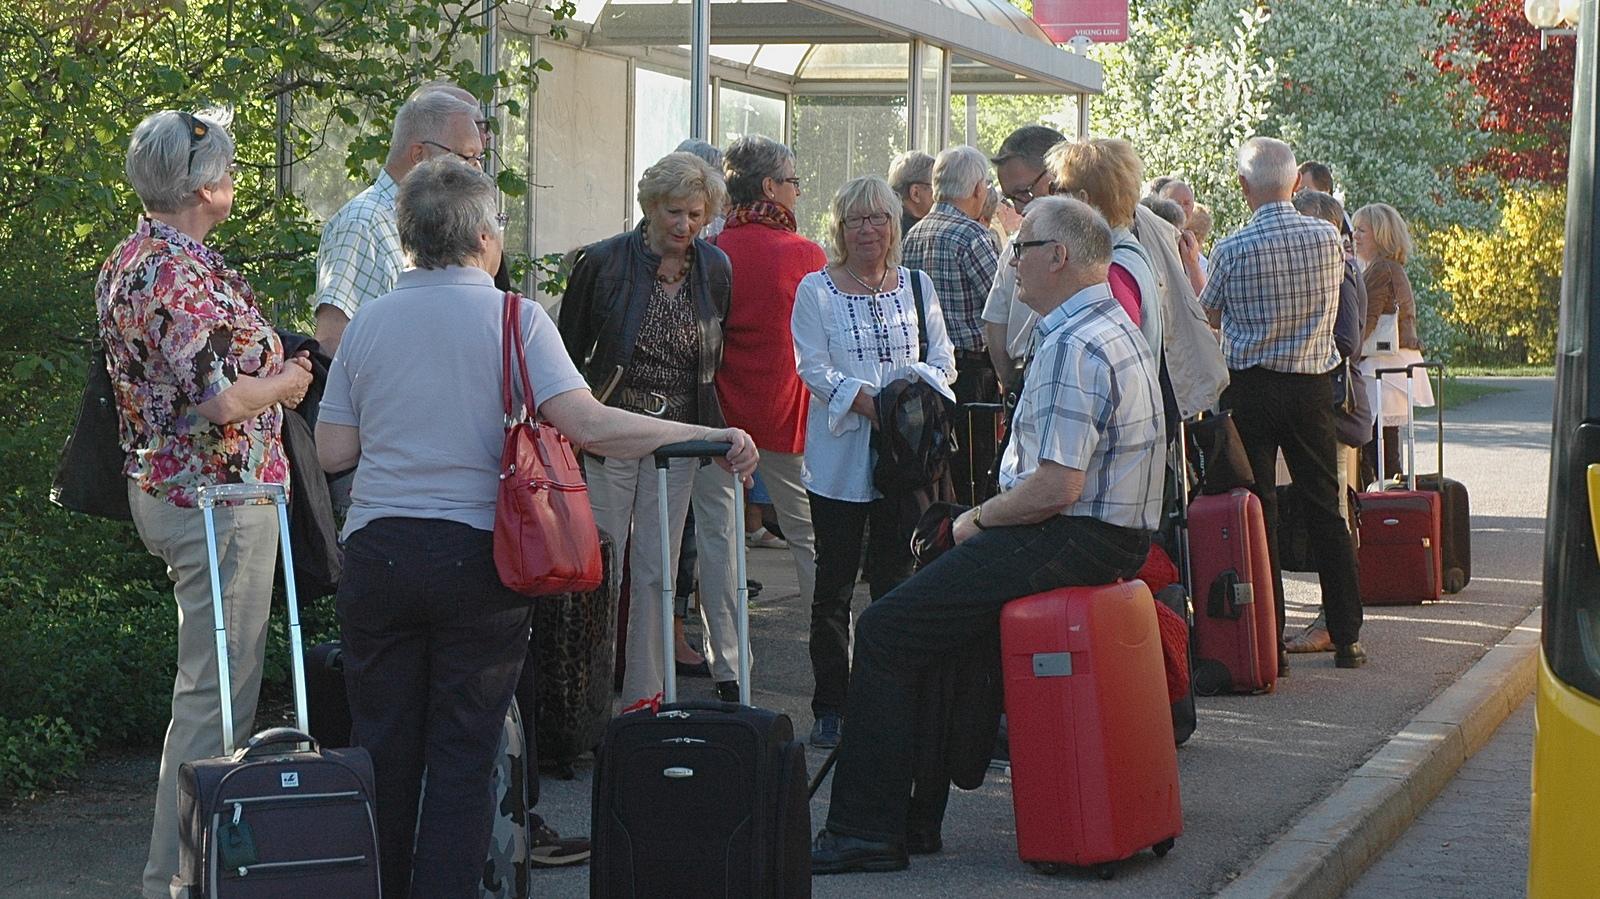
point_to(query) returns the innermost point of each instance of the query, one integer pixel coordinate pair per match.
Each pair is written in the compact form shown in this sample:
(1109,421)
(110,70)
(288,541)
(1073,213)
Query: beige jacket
(1194,353)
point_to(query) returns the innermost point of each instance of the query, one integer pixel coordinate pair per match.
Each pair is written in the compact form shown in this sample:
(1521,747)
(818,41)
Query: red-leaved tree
(1527,90)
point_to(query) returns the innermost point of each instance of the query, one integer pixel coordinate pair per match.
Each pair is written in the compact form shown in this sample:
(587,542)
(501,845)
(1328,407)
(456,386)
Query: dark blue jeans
(946,606)
(434,644)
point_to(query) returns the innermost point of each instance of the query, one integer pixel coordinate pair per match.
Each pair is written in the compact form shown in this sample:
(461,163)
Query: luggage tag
(236,843)
(1229,596)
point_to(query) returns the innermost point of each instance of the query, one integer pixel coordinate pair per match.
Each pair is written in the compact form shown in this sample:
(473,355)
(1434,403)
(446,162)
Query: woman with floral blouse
(200,382)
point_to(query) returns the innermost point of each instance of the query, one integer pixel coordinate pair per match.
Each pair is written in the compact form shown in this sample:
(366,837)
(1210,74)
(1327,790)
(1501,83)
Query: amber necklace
(688,260)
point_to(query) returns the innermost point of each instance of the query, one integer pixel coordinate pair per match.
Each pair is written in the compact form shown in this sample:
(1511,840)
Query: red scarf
(761,212)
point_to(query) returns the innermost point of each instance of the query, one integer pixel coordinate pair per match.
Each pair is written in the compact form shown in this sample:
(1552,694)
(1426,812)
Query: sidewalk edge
(1329,847)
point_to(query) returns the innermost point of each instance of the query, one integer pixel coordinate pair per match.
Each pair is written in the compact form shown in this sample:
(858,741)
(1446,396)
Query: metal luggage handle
(691,449)
(273,737)
(212,494)
(1411,419)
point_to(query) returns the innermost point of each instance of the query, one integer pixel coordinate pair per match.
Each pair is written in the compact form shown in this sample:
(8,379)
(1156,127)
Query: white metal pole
(700,71)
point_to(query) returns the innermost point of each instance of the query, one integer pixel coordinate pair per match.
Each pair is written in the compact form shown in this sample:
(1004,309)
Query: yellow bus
(1564,855)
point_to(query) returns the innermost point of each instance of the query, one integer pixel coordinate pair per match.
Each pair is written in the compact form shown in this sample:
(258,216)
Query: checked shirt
(1276,281)
(359,258)
(959,255)
(1091,403)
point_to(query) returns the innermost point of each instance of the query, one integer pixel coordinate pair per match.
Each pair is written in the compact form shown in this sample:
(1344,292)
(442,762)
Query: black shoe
(701,668)
(923,843)
(1283,663)
(728,690)
(548,849)
(825,730)
(833,853)
(1350,655)
(752,587)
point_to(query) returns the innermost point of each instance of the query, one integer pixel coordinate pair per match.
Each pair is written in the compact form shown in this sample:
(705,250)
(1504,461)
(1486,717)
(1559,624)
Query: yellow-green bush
(1505,283)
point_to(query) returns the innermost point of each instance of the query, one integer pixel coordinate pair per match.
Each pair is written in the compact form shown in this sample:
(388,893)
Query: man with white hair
(359,257)
(958,253)
(1080,495)
(1274,291)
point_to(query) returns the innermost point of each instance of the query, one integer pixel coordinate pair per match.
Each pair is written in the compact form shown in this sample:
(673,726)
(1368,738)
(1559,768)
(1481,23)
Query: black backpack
(915,440)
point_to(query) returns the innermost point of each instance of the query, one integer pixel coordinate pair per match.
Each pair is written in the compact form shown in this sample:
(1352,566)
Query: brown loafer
(1312,639)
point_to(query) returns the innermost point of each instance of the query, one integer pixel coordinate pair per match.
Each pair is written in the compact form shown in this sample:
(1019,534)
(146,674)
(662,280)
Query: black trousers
(434,645)
(975,383)
(840,527)
(948,606)
(1276,410)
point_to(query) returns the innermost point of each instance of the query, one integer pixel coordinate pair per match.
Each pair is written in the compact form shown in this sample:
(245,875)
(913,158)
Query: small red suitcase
(1235,620)
(1094,769)
(1399,553)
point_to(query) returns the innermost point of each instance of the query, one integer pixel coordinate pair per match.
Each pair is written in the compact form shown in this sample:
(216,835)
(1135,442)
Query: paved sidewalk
(1472,842)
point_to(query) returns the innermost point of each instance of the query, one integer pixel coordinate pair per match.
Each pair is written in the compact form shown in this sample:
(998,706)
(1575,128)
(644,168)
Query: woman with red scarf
(757,384)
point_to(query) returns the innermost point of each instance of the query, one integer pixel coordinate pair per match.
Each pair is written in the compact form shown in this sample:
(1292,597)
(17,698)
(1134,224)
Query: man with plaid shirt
(958,253)
(1274,290)
(1080,494)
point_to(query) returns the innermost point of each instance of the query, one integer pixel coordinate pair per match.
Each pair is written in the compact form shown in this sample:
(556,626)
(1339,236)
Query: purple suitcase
(273,819)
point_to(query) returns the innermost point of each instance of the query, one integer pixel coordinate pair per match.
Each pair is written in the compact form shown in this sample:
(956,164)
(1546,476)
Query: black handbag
(1218,454)
(89,475)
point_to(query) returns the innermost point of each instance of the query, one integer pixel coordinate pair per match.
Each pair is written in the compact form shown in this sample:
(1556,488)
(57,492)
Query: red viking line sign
(1102,21)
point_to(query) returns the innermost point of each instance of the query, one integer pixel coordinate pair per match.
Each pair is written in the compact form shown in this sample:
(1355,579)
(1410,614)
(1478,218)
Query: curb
(1329,847)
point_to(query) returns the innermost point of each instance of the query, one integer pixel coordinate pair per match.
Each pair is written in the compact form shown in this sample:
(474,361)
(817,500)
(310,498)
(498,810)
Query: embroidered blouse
(180,327)
(847,343)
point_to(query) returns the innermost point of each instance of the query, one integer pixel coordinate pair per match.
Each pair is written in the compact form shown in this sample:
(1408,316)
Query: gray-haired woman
(434,643)
(200,383)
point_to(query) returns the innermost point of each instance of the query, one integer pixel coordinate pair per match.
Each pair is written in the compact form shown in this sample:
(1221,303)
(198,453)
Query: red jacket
(757,383)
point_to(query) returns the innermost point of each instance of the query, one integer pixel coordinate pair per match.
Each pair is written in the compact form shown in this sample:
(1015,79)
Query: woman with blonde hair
(855,327)
(643,320)
(1382,245)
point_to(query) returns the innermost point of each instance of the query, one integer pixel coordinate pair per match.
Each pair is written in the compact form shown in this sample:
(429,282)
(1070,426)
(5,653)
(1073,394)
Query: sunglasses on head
(197,133)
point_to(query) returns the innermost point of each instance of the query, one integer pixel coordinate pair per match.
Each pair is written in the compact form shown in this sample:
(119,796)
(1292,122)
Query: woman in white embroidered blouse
(855,332)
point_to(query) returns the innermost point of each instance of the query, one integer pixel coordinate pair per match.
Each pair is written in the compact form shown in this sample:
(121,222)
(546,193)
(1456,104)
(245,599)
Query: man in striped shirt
(1274,290)
(1080,495)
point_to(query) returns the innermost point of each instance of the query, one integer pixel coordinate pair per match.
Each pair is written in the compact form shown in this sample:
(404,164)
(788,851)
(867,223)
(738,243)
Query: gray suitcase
(281,816)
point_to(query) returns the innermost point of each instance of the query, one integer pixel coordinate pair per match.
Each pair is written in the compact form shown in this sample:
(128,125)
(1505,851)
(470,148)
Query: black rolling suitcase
(273,819)
(701,799)
(1455,511)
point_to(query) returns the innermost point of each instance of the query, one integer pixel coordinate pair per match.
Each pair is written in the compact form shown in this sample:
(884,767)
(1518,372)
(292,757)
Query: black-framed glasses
(471,160)
(875,219)
(1026,195)
(1018,245)
(501,219)
(198,130)
(794,181)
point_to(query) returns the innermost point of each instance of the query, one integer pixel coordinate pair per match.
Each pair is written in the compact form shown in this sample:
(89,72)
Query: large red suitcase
(1399,555)
(1094,769)
(1235,619)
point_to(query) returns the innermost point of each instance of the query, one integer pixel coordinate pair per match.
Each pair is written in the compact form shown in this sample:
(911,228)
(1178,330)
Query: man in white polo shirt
(1080,494)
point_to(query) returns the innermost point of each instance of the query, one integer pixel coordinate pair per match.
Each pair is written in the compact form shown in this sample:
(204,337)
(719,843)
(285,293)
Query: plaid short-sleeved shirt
(959,255)
(359,258)
(1091,402)
(1276,281)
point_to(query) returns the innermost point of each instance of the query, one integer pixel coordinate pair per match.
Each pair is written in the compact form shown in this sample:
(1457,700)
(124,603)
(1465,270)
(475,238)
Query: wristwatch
(977,517)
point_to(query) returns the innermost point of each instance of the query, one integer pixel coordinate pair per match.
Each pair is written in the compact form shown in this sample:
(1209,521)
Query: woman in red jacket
(757,384)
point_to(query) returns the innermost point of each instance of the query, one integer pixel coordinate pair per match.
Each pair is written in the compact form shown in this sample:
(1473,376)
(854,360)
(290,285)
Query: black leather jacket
(605,303)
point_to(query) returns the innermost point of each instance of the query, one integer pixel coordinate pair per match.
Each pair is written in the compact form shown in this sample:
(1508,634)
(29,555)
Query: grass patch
(1458,393)
(1501,371)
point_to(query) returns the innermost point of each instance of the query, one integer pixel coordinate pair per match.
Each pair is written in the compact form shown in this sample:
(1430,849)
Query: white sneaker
(761,538)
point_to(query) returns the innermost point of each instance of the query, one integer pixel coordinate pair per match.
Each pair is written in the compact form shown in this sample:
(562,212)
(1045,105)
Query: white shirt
(1002,308)
(848,343)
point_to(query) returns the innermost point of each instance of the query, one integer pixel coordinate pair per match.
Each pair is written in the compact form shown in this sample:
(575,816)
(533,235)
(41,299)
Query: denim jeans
(839,527)
(1276,410)
(949,605)
(434,645)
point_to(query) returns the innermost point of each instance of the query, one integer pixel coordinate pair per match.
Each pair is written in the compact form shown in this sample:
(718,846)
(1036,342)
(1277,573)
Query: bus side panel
(1563,862)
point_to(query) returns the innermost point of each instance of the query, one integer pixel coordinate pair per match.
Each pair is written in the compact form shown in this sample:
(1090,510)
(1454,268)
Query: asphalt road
(1254,765)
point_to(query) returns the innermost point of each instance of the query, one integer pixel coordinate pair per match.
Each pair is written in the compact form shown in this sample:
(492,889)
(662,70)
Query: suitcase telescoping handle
(210,497)
(700,449)
(1411,420)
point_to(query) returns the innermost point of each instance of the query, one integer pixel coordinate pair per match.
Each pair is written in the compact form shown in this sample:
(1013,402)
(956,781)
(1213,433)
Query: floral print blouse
(180,327)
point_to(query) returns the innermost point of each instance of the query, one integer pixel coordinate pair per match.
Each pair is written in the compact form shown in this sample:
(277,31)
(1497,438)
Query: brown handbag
(545,539)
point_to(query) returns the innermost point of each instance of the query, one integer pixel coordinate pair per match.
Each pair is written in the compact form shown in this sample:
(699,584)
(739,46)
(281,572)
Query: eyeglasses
(1025,196)
(1018,245)
(470,160)
(794,181)
(500,220)
(876,220)
(197,133)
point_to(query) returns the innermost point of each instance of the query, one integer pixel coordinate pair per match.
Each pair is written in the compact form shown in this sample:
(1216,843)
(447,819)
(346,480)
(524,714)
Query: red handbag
(545,539)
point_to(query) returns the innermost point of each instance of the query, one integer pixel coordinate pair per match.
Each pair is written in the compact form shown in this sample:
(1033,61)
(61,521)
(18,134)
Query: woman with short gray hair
(433,642)
(200,383)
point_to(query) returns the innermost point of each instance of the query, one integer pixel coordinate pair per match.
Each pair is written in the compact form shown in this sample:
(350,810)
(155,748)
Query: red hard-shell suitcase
(1399,555)
(1094,769)
(1235,621)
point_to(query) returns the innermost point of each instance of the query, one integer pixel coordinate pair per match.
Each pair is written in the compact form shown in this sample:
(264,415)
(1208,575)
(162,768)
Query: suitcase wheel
(1050,869)
(1106,871)
(1162,848)
(1455,580)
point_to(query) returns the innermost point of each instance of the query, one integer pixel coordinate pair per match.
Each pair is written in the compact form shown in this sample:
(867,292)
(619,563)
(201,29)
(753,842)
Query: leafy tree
(1526,89)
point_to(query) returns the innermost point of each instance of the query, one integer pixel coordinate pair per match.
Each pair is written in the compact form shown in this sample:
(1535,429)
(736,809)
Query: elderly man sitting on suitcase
(1081,490)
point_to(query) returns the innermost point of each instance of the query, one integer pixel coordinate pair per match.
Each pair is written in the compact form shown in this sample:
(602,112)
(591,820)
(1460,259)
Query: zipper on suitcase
(347,861)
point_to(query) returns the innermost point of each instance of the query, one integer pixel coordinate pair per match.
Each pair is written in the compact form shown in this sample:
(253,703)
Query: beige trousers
(247,550)
(782,473)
